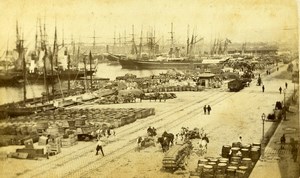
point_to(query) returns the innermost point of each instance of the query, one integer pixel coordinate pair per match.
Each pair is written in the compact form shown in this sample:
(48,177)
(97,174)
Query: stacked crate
(69,141)
(54,145)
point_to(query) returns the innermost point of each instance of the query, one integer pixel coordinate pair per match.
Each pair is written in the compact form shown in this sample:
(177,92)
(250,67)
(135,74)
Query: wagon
(235,85)
(176,157)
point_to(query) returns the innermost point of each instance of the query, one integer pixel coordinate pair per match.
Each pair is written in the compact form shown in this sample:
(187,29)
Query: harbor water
(104,70)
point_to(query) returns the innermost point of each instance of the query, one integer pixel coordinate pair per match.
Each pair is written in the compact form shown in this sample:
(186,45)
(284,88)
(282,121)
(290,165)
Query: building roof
(206,75)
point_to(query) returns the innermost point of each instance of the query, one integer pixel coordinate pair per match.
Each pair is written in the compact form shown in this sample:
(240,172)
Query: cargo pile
(71,124)
(237,161)
(175,157)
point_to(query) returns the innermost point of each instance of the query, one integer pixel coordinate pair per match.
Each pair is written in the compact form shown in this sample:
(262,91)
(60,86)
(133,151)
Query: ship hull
(136,64)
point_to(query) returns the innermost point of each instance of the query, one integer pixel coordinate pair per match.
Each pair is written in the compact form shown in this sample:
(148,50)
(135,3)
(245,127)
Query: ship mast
(20,50)
(85,76)
(54,56)
(172,40)
(114,47)
(125,51)
(43,46)
(188,41)
(91,76)
(141,41)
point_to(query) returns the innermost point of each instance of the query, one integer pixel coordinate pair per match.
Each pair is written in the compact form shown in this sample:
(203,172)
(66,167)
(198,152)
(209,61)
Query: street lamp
(263,118)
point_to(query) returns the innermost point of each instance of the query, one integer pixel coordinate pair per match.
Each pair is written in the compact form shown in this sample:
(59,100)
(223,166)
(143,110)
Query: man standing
(294,152)
(99,147)
(282,141)
(208,109)
(280,90)
(204,109)
(263,88)
(286,85)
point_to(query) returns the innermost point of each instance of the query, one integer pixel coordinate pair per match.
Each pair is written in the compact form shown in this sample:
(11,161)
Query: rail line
(121,133)
(130,147)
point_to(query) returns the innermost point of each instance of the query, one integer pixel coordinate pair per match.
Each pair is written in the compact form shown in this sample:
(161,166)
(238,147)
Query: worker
(99,147)
(280,90)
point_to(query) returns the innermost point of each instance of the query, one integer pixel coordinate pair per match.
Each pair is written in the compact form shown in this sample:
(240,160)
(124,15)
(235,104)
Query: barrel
(234,150)
(234,163)
(245,153)
(202,161)
(226,151)
(231,171)
(247,145)
(236,144)
(200,168)
(247,162)
(256,144)
(236,159)
(208,171)
(213,160)
(224,160)
(241,172)
(255,154)
(213,164)
(221,167)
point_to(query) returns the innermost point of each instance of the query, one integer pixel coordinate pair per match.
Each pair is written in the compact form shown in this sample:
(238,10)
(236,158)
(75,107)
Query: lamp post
(263,118)
(284,92)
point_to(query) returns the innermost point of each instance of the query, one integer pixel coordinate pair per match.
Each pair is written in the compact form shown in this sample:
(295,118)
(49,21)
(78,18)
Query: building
(206,80)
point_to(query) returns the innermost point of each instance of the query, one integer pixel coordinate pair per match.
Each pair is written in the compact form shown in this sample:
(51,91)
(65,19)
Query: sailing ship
(8,73)
(55,67)
(175,58)
(25,107)
(152,60)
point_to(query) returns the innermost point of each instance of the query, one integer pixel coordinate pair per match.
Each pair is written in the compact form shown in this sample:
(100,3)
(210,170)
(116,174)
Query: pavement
(278,162)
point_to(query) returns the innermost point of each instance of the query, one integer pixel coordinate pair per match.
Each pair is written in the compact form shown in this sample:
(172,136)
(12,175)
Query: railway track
(165,121)
(84,171)
(121,132)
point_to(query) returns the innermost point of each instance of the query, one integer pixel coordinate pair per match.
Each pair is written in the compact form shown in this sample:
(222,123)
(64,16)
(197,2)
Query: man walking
(280,90)
(204,109)
(99,147)
(208,109)
(263,88)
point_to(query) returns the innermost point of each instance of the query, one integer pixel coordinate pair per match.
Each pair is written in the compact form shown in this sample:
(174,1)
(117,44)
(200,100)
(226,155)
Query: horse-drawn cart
(175,157)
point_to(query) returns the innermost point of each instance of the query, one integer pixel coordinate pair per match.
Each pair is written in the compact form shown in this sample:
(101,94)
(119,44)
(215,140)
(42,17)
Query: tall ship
(153,60)
(58,62)
(175,58)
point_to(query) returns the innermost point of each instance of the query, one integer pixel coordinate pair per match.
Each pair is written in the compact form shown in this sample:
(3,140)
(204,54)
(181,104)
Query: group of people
(280,89)
(207,108)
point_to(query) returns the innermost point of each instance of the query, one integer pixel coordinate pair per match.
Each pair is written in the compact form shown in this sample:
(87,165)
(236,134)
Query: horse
(164,142)
(151,132)
(144,142)
(170,137)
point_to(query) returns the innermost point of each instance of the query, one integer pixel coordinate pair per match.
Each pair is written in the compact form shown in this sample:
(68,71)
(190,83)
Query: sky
(237,20)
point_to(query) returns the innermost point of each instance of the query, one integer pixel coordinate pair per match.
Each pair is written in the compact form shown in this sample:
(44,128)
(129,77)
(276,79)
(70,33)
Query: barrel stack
(237,161)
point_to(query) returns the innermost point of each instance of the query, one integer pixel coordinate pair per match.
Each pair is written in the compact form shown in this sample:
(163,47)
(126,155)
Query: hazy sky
(238,20)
